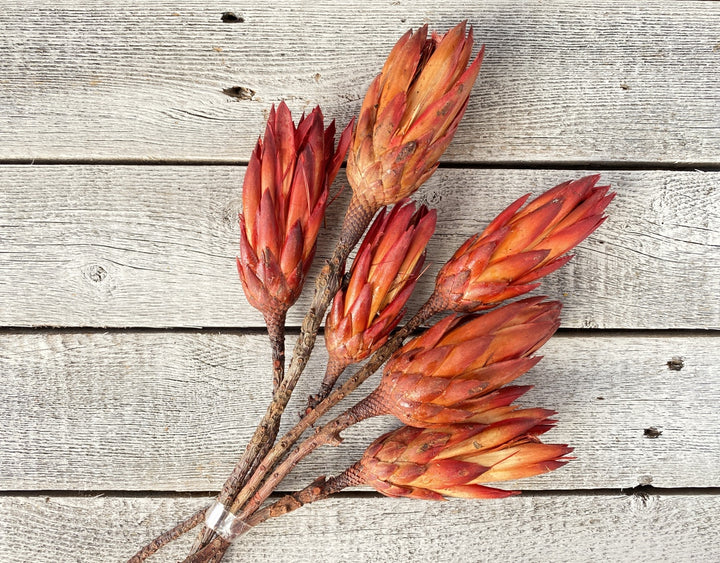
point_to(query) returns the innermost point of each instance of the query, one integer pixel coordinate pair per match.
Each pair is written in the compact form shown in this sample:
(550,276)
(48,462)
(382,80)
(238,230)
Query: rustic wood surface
(562,81)
(132,370)
(155,245)
(605,527)
(172,410)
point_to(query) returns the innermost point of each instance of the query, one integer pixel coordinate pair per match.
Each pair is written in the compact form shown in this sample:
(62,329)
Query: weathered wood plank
(173,410)
(547,528)
(563,81)
(155,246)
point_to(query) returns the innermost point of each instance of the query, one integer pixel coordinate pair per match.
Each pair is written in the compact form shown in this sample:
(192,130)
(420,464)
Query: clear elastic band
(225,523)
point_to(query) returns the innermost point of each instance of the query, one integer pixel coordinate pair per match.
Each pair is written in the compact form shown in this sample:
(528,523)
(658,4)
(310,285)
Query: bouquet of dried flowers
(449,385)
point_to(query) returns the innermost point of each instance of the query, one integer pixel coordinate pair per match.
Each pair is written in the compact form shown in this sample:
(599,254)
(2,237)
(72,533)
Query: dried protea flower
(382,277)
(457,460)
(285,193)
(410,114)
(456,370)
(522,245)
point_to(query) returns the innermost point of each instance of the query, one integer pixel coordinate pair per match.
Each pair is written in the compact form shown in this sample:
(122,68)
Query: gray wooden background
(132,371)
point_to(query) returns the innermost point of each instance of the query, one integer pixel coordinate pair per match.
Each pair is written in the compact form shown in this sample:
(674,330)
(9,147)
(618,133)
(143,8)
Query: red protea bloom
(382,277)
(522,245)
(410,114)
(285,193)
(457,460)
(456,370)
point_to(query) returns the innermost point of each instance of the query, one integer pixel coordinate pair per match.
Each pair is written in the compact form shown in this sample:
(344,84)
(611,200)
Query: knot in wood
(96,273)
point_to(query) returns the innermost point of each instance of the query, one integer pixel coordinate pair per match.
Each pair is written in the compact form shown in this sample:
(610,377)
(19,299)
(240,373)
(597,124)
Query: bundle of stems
(448,385)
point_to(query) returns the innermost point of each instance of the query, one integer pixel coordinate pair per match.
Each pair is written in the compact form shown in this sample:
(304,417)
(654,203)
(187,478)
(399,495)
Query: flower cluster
(456,461)
(380,282)
(453,385)
(457,370)
(522,245)
(285,193)
(410,114)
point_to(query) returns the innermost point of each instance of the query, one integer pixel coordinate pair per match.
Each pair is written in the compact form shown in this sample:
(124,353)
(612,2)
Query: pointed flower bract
(285,193)
(458,460)
(456,371)
(410,114)
(522,245)
(382,277)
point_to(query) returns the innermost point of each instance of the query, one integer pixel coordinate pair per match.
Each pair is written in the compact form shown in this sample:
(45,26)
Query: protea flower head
(522,245)
(382,277)
(456,370)
(410,114)
(459,459)
(285,193)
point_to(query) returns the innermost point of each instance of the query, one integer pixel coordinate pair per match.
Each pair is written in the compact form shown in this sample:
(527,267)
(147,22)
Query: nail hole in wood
(239,92)
(652,432)
(229,17)
(675,363)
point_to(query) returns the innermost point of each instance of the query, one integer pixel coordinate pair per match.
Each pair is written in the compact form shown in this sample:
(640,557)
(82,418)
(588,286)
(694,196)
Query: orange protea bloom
(410,114)
(382,277)
(285,193)
(456,370)
(458,460)
(522,245)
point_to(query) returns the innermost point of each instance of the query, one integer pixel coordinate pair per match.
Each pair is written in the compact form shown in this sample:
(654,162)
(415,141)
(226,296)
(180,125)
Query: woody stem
(356,220)
(431,307)
(275,323)
(319,489)
(333,370)
(328,434)
(166,537)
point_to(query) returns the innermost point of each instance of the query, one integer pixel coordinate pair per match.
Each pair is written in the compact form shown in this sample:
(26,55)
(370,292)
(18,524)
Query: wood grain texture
(173,410)
(547,528)
(155,246)
(566,81)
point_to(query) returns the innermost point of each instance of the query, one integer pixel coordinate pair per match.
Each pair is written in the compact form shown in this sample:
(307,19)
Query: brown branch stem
(326,435)
(333,371)
(319,489)
(275,323)
(356,220)
(431,307)
(166,537)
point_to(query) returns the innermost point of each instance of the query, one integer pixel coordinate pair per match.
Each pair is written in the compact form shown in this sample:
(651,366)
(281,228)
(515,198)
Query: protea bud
(382,277)
(456,370)
(285,193)
(522,245)
(410,114)
(457,460)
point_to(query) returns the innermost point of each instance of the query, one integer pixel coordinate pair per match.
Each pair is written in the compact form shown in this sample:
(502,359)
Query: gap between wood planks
(292,331)
(600,166)
(639,490)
